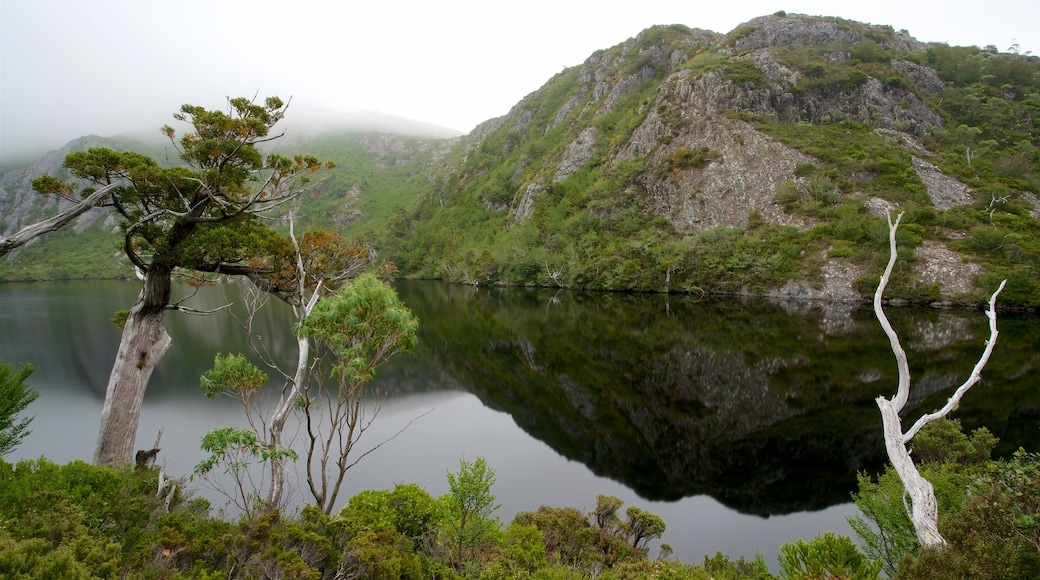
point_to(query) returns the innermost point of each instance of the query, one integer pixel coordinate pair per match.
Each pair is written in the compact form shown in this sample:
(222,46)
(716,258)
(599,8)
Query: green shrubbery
(989,510)
(82,521)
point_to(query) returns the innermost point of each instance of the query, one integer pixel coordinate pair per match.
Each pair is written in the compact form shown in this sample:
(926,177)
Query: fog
(69,69)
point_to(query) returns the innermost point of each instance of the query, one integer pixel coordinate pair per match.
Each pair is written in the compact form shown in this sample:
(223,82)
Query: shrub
(787,194)
(15,396)
(826,557)
(883,524)
(943,441)
(720,567)
(997,534)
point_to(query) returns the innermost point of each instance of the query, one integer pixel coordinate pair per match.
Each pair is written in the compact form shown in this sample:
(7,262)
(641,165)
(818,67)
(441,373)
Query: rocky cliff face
(703,162)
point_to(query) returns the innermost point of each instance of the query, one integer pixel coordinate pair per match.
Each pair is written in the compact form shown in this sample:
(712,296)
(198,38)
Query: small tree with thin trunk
(923,509)
(356,331)
(304,271)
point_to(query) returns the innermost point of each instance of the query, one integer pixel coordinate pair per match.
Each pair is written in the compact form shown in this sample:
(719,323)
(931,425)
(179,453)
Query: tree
(828,556)
(236,448)
(300,273)
(470,505)
(15,396)
(356,330)
(642,527)
(198,216)
(91,199)
(924,513)
(947,458)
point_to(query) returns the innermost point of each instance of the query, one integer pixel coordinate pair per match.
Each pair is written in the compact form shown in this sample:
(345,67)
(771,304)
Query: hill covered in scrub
(761,161)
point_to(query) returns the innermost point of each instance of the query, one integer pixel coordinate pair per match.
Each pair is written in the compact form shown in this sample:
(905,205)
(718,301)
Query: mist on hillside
(299,126)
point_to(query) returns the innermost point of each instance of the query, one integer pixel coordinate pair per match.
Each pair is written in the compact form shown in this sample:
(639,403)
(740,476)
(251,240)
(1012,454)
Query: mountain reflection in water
(767,408)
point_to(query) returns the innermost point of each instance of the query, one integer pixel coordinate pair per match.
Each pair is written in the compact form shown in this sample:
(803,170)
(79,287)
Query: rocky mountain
(761,161)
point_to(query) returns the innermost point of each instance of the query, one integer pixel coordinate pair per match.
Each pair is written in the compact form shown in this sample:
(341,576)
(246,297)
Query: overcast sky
(71,68)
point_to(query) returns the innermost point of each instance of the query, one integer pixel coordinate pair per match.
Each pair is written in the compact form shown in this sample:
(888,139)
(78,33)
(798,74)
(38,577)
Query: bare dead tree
(32,231)
(923,509)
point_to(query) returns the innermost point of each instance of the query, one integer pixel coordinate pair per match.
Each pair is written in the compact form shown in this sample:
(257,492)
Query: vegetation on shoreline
(83,521)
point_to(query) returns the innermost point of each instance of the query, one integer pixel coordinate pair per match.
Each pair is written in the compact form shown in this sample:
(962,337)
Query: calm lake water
(741,423)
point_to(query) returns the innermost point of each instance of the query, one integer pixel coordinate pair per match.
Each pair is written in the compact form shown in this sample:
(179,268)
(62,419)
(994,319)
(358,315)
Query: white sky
(69,68)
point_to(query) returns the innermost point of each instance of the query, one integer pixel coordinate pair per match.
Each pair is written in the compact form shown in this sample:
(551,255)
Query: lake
(742,423)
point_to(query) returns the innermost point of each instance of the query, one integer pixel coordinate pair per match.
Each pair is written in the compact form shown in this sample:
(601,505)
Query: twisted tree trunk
(143,343)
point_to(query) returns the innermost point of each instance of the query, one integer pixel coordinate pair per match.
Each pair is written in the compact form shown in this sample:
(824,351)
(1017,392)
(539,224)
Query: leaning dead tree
(923,509)
(33,231)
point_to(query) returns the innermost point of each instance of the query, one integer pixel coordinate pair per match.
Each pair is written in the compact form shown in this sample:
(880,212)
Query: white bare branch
(923,508)
(976,373)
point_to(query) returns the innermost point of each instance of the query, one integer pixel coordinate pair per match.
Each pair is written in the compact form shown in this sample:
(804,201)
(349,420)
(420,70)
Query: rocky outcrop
(691,108)
(944,191)
(576,154)
(797,30)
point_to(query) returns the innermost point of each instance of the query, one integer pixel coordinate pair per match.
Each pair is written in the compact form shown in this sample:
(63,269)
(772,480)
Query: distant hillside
(761,161)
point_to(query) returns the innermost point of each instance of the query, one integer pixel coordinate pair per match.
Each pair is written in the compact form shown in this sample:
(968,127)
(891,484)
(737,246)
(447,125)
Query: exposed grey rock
(924,79)
(798,30)
(1033,201)
(942,266)
(525,207)
(577,154)
(724,192)
(944,191)
(880,207)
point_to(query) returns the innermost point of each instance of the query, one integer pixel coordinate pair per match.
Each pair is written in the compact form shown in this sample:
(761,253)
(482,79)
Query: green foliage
(236,449)
(523,554)
(686,158)
(642,526)
(470,505)
(956,465)
(196,215)
(943,441)
(568,537)
(74,517)
(15,396)
(868,51)
(787,194)
(738,33)
(36,558)
(407,510)
(996,534)
(883,523)
(232,372)
(826,557)
(721,567)
(596,541)
(742,71)
(364,325)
